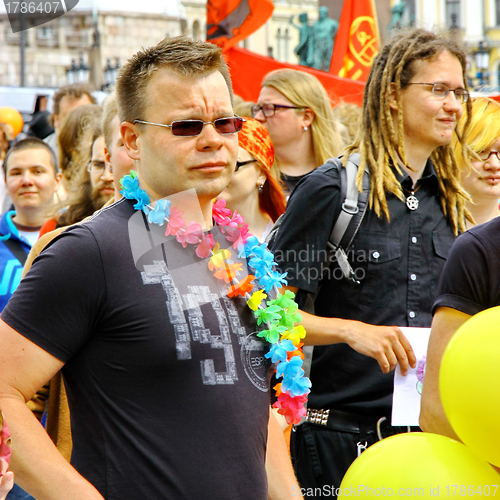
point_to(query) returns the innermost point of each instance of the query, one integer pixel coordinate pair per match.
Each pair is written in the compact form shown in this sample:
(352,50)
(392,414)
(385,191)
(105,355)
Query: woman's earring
(260,188)
(304,129)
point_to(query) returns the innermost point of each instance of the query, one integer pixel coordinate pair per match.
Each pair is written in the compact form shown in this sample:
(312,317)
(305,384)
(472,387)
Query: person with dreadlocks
(416,206)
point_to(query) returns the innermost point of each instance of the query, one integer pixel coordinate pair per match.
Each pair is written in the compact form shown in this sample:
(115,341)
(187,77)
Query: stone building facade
(70,41)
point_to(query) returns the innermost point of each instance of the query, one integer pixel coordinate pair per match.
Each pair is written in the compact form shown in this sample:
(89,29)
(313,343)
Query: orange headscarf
(254,138)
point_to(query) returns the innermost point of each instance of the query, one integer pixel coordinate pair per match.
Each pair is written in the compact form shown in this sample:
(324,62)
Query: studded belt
(351,422)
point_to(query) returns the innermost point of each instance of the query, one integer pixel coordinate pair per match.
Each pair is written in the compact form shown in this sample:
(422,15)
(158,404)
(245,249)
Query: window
(286,48)
(452,14)
(196,30)
(46,36)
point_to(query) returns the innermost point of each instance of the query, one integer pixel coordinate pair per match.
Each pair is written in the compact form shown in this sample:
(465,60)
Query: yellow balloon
(419,465)
(469,384)
(12,117)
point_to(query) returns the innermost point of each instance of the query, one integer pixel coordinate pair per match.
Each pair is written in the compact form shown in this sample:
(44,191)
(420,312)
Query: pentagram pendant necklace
(412,200)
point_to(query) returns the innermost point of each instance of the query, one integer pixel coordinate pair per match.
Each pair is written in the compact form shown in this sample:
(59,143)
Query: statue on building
(324,31)
(303,49)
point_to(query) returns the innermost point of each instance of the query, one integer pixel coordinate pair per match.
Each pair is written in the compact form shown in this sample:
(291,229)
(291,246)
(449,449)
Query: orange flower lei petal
(242,288)
(228,272)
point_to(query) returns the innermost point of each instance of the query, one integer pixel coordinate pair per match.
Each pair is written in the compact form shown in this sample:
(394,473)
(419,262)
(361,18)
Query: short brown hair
(75,90)
(179,54)
(30,143)
(109,111)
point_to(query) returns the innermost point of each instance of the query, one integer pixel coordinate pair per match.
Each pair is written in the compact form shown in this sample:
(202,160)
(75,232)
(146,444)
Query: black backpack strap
(353,210)
(271,236)
(363,196)
(17,249)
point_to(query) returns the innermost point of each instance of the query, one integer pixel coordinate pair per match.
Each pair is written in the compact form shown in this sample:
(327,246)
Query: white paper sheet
(407,389)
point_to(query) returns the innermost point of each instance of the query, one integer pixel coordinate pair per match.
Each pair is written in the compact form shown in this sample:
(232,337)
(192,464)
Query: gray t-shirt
(166,380)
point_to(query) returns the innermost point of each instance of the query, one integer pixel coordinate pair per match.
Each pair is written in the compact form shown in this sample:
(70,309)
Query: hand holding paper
(408,389)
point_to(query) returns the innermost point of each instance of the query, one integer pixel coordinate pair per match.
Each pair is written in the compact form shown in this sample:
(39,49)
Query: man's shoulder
(487,234)
(3,218)
(109,215)
(6,228)
(104,227)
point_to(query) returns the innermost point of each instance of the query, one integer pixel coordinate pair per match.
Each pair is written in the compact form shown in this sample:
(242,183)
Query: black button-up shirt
(398,264)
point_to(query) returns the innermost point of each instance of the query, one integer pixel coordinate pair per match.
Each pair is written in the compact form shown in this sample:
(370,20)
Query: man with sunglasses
(413,99)
(166,379)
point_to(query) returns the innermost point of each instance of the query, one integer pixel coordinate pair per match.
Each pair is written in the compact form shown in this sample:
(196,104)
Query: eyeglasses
(97,167)
(192,128)
(441,90)
(485,155)
(240,164)
(269,109)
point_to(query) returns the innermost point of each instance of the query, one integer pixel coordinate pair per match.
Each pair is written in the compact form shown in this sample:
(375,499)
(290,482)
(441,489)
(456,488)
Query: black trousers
(321,456)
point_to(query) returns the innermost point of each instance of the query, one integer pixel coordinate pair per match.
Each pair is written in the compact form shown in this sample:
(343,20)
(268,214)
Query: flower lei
(280,315)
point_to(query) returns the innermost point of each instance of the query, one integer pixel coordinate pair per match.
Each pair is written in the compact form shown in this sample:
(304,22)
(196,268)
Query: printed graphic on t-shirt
(186,317)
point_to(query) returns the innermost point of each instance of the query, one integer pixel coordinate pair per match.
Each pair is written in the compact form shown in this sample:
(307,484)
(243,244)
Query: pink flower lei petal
(175,222)
(204,249)
(219,211)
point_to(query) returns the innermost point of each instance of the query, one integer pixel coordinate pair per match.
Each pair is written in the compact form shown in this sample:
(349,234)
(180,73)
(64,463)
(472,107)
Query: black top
(398,264)
(166,381)
(290,181)
(470,279)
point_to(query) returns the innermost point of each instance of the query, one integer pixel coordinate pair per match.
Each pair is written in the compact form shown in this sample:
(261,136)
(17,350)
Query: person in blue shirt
(31,179)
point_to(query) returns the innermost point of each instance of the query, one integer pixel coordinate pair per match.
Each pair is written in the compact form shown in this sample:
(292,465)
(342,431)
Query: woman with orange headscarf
(253,191)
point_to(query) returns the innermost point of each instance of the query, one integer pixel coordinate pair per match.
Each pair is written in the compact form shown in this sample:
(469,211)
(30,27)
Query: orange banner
(230,21)
(248,70)
(357,41)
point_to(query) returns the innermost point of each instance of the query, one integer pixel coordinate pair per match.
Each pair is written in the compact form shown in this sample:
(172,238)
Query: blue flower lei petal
(159,213)
(278,352)
(290,369)
(298,386)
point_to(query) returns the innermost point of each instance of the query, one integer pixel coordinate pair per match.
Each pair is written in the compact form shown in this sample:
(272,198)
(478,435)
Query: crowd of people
(166,390)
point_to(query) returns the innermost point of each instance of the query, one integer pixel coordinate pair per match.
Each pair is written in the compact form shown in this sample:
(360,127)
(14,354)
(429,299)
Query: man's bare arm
(432,416)
(386,344)
(39,467)
(282,484)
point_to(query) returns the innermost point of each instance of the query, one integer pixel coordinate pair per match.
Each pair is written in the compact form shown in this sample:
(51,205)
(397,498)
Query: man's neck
(28,219)
(194,209)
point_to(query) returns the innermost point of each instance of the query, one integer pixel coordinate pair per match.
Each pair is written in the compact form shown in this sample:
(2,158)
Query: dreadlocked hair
(381,146)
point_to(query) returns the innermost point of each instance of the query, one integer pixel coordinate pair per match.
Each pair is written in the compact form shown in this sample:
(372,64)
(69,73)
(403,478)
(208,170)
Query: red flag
(230,21)
(357,41)
(248,70)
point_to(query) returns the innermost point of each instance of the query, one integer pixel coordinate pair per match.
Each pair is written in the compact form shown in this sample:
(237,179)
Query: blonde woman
(296,110)
(481,179)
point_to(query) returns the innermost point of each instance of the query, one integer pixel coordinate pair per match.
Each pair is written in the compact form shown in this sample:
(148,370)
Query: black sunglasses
(191,128)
